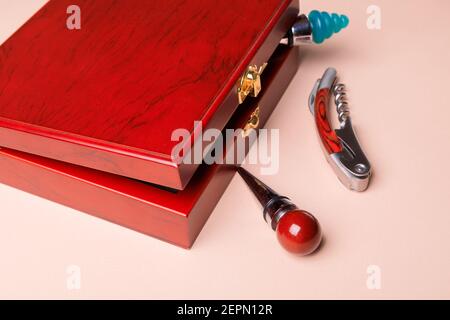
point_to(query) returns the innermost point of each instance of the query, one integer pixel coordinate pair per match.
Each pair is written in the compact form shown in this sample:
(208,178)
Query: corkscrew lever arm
(341,146)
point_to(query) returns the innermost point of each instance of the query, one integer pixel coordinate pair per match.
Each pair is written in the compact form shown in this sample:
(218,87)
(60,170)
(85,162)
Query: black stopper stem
(262,192)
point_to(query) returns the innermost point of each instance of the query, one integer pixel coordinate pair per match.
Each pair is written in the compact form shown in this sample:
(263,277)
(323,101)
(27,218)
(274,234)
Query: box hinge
(250,82)
(252,123)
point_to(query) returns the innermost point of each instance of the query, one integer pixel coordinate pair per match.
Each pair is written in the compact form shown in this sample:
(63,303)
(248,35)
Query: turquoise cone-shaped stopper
(324,25)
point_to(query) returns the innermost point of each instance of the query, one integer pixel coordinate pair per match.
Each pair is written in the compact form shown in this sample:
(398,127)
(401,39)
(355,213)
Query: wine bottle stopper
(315,28)
(297,231)
(341,146)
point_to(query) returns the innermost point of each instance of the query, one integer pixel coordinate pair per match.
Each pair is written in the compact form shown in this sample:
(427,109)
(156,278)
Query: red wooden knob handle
(299,232)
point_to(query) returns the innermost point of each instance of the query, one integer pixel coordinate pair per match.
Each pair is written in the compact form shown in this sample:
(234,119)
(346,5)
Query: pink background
(396,77)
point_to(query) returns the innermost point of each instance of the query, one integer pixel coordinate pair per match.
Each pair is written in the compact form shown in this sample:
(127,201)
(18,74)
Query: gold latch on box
(252,123)
(250,83)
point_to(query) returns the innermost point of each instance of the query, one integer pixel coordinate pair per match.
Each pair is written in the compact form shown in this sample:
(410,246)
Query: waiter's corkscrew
(341,146)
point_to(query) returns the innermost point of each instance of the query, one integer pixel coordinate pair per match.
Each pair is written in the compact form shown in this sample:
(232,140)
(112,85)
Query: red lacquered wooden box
(171,215)
(109,95)
(86,116)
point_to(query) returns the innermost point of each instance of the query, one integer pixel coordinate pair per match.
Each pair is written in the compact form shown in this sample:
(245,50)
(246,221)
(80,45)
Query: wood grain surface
(136,71)
(170,215)
(327,135)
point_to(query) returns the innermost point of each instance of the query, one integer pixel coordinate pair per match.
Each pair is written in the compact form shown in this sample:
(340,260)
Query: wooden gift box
(109,96)
(86,116)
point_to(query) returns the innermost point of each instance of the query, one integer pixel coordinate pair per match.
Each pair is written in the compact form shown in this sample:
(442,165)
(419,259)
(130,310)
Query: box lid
(109,95)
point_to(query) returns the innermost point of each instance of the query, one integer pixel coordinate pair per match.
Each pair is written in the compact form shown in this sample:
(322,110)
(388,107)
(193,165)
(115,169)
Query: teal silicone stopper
(324,25)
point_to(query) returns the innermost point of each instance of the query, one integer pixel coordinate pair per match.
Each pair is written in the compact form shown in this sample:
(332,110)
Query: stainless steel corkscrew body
(341,146)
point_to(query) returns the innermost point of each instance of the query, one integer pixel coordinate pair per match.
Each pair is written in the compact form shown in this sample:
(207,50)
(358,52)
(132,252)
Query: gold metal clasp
(250,82)
(252,123)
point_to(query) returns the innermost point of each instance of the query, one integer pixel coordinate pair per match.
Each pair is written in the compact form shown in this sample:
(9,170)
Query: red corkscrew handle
(327,134)
(299,232)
